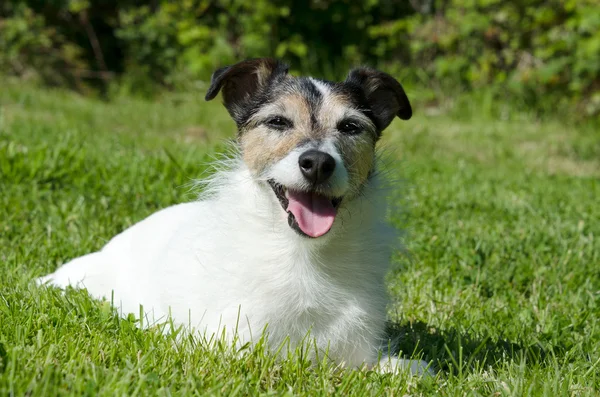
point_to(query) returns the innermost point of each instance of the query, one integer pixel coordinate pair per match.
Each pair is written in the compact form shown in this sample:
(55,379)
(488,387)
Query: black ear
(385,95)
(244,81)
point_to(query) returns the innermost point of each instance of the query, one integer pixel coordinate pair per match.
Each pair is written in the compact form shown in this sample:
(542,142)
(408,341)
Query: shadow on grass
(453,352)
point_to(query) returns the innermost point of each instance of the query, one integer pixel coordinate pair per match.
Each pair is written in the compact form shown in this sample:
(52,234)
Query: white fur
(287,172)
(323,88)
(232,262)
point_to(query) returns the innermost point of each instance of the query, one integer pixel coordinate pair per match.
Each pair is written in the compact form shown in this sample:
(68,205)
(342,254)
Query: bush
(529,49)
(30,47)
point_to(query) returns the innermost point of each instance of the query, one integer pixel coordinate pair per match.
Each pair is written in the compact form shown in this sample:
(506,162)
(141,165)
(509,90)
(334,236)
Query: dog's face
(312,141)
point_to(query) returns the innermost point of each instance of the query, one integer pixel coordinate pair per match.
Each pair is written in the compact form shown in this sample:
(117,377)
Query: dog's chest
(301,297)
(250,278)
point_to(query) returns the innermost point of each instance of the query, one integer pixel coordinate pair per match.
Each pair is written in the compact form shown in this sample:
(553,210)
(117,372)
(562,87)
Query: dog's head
(312,141)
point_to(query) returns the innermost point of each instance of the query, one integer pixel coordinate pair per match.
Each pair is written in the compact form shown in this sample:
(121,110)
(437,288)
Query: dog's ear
(385,95)
(241,82)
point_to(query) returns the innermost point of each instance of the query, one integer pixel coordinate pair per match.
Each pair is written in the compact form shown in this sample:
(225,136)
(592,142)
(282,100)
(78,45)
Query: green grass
(501,287)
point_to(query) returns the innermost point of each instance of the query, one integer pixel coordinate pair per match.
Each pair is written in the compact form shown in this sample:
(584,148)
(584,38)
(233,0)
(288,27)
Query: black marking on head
(259,100)
(314,123)
(357,97)
(250,84)
(313,97)
(385,96)
(246,85)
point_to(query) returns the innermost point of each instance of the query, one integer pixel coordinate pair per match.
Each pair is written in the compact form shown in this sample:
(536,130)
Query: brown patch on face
(338,106)
(262,146)
(333,110)
(358,152)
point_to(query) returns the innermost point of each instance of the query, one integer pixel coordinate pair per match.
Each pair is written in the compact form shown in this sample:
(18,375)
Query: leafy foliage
(531,48)
(528,49)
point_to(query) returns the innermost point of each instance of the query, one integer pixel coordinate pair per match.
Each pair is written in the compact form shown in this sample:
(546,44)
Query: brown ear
(243,82)
(385,95)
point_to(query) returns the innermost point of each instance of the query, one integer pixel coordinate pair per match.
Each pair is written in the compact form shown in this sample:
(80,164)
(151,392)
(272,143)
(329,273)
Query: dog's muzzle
(310,212)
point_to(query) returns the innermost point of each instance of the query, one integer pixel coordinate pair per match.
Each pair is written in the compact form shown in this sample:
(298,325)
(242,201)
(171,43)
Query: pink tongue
(314,213)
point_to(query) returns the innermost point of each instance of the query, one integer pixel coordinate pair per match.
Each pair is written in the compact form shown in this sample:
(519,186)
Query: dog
(290,238)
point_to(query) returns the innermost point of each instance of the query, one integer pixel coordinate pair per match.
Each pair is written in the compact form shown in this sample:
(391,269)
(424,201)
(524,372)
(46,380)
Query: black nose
(316,166)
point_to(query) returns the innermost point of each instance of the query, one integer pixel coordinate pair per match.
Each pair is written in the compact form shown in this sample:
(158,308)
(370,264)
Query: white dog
(289,239)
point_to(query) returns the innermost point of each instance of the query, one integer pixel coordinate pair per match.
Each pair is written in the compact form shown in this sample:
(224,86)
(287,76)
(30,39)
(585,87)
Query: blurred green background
(542,55)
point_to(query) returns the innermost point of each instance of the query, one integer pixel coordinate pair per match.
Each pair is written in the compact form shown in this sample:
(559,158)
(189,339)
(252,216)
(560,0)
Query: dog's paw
(397,365)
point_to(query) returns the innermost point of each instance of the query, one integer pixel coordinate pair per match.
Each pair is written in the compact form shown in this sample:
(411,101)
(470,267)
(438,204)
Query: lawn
(500,286)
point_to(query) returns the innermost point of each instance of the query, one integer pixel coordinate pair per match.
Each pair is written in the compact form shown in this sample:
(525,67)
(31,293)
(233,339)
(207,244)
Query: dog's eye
(278,123)
(348,127)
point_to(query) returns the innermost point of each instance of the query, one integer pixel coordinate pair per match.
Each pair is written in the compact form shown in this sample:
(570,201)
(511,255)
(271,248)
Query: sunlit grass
(500,288)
